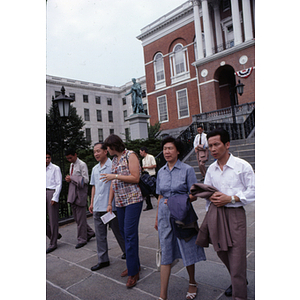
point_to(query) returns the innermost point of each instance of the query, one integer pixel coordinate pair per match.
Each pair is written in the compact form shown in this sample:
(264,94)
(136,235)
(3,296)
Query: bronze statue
(136,96)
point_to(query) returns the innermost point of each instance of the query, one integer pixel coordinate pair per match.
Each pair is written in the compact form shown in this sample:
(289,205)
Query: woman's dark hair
(224,135)
(176,142)
(115,143)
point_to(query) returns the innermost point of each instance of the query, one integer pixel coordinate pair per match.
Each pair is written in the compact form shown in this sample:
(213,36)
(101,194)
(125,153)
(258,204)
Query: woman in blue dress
(175,178)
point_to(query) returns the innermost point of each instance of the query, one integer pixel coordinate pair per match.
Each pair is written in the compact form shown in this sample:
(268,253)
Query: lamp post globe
(63,102)
(240,88)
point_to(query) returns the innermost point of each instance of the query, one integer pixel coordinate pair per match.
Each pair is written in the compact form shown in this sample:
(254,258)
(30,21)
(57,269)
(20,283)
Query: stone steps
(244,149)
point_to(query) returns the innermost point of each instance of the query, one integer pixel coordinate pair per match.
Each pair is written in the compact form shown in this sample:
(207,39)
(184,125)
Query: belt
(50,190)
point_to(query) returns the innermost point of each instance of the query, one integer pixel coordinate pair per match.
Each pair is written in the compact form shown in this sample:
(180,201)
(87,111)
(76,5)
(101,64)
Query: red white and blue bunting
(244,73)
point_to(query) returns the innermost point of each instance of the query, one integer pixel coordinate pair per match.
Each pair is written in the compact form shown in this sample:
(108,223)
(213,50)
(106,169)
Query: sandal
(191,295)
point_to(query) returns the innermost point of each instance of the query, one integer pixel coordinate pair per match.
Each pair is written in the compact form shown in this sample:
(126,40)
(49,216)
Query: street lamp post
(239,88)
(63,102)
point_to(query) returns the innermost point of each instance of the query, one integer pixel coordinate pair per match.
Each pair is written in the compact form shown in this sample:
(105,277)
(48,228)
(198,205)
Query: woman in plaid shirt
(124,188)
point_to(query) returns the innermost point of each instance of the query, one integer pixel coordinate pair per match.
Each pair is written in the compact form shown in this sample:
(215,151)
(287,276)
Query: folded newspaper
(107,217)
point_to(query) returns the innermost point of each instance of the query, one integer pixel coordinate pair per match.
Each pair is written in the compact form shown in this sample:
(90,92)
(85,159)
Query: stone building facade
(103,108)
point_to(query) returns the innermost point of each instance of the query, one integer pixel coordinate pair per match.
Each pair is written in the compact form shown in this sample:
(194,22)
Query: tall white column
(198,29)
(247,20)
(218,26)
(236,22)
(207,29)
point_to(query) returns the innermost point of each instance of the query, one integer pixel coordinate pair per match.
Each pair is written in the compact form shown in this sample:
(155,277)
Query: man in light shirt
(98,207)
(148,165)
(234,179)
(201,149)
(53,188)
(77,196)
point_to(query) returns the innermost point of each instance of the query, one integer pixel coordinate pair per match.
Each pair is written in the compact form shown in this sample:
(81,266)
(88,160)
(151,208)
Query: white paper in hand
(107,217)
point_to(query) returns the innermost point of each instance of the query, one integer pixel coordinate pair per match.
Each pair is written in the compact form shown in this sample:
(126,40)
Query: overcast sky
(96,40)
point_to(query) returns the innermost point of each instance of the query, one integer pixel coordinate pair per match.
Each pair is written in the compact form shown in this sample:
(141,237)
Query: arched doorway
(226,78)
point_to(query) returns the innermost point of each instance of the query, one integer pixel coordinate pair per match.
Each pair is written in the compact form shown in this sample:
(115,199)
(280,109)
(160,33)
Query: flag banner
(244,73)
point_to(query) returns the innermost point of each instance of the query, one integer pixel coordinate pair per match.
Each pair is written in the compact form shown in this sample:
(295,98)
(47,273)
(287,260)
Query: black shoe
(100,266)
(59,236)
(123,256)
(228,292)
(147,208)
(91,237)
(50,249)
(80,245)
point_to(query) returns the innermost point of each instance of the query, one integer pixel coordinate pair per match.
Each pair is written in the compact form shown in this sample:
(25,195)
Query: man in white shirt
(234,178)
(98,207)
(77,196)
(148,165)
(53,188)
(201,149)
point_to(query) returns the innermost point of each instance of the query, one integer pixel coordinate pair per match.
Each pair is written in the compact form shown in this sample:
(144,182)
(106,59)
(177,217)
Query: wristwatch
(116,176)
(232,199)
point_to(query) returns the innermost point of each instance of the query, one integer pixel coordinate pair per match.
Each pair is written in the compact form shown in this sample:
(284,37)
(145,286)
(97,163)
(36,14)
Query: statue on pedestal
(136,96)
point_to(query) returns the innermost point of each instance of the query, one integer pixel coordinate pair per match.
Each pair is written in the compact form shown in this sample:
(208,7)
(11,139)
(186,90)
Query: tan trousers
(235,258)
(202,157)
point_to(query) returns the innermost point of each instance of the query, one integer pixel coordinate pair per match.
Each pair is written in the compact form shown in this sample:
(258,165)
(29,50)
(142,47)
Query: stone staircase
(244,149)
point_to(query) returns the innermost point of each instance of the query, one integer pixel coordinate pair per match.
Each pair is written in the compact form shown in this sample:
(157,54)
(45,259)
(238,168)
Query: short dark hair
(48,152)
(144,149)
(176,142)
(200,126)
(103,147)
(114,142)
(224,135)
(70,151)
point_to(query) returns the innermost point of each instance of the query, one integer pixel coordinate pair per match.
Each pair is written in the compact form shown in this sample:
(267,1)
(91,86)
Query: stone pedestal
(138,126)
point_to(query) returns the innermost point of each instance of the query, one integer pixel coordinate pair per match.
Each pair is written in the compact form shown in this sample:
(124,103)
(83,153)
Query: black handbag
(147,184)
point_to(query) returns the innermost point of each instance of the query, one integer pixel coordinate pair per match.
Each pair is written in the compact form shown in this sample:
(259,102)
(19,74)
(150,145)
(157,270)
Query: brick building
(194,56)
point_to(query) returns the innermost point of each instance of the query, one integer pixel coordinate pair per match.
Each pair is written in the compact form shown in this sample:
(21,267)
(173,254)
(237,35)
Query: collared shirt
(203,140)
(236,179)
(101,188)
(176,181)
(80,169)
(147,161)
(54,180)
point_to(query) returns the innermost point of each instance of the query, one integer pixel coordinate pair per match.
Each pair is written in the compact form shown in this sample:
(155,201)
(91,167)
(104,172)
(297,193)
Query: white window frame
(187,104)
(158,109)
(162,82)
(176,77)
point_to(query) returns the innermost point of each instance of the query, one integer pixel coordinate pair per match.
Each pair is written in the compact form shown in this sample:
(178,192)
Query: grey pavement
(69,276)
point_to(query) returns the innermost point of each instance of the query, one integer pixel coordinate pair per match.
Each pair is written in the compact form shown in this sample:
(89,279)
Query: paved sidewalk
(69,276)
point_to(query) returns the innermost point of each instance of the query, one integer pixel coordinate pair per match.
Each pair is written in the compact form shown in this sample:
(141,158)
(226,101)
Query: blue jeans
(129,217)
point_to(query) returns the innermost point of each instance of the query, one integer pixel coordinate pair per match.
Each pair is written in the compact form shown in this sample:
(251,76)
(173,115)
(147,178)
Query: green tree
(62,134)
(154,130)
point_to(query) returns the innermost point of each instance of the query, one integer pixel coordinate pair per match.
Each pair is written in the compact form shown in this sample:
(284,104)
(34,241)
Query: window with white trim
(179,59)
(182,104)
(162,108)
(159,71)
(179,64)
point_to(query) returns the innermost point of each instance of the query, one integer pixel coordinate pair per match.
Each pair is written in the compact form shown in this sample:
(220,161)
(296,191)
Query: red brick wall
(165,45)
(210,90)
